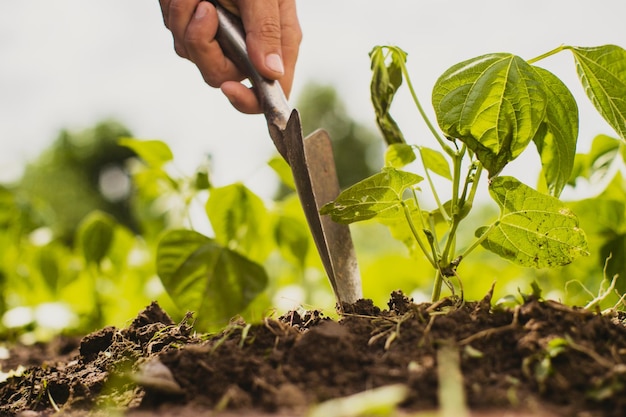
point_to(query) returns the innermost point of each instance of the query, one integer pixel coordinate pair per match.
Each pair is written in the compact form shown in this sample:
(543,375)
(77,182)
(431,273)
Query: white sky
(71,63)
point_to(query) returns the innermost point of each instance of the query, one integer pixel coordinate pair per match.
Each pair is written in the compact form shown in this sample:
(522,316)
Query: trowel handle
(232,39)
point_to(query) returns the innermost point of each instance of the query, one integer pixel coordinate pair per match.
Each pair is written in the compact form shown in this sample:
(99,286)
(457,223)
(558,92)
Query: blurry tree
(358,149)
(81,172)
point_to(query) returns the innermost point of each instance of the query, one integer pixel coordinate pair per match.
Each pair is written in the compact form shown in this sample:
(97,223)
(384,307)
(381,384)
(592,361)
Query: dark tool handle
(232,39)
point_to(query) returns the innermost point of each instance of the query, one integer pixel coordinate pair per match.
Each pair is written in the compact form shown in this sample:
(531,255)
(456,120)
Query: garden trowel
(311,161)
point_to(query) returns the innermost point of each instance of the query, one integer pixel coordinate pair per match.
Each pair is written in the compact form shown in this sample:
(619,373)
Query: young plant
(489,109)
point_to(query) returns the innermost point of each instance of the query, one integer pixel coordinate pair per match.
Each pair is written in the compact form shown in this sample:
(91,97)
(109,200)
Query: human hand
(273,37)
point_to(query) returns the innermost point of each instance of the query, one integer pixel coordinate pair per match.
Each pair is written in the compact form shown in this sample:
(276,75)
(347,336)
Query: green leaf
(597,163)
(436,162)
(601,216)
(202,180)
(292,237)
(282,169)
(602,72)
(239,219)
(201,275)
(154,153)
(534,229)
(556,142)
(48,263)
(95,236)
(386,79)
(380,195)
(494,103)
(399,155)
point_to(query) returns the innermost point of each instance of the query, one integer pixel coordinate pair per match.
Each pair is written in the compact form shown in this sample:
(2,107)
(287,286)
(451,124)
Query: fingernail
(275,63)
(200,11)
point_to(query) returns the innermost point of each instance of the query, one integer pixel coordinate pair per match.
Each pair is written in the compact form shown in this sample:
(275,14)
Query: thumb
(261,21)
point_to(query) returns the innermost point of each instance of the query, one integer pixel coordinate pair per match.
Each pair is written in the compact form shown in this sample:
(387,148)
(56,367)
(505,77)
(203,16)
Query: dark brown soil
(541,358)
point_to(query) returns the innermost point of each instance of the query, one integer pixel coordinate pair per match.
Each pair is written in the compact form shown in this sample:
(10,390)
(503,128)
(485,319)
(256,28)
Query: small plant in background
(489,109)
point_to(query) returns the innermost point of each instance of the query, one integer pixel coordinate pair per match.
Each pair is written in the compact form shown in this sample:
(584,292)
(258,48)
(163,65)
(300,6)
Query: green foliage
(386,79)
(489,108)
(206,277)
(602,71)
(380,196)
(533,229)
(494,103)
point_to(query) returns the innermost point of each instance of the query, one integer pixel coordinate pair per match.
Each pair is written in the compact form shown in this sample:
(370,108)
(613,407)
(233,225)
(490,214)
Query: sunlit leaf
(292,237)
(282,169)
(203,276)
(154,153)
(436,162)
(534,229)
(601,216)
(386,65)
(399,155)
(239,219)
(604,150)
(556,142)
(602,71)
(95,235)
(48,263)
(380,195)
(494,103)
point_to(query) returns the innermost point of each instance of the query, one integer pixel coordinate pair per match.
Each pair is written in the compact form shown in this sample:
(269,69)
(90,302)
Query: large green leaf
(203,276)
(239,220)
(556,142)
(534,229)
(602,71)
(494,103)
(95,236)
(386,79)
(380,195)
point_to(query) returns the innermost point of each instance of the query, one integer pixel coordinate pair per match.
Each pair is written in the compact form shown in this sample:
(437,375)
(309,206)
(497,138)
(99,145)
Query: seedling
(489,109)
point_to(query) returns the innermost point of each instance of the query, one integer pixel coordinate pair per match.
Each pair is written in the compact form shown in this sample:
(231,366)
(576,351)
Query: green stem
(479,240)
(476,180)
(431,127)
(407,215)
(431,184)
(436,295)
(449,248)
(547,54)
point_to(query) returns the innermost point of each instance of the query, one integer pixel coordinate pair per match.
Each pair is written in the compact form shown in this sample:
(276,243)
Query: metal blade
(313,168)
(321,164)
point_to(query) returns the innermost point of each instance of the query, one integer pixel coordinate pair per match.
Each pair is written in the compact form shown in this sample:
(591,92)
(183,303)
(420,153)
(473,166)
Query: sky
(71,63)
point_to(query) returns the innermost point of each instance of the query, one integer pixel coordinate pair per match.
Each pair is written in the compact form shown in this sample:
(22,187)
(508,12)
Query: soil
(541,358)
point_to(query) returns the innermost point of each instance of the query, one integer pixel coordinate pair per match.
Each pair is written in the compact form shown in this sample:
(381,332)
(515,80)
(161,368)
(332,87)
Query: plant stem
(432,129)
(407,215)
(437,287)
(442,210)
(479,240)
(476,180)
(547,54)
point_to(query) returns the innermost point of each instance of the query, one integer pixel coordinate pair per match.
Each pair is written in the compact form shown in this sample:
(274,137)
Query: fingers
(241,97)
(204,51)
(273,37)
(291,38)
